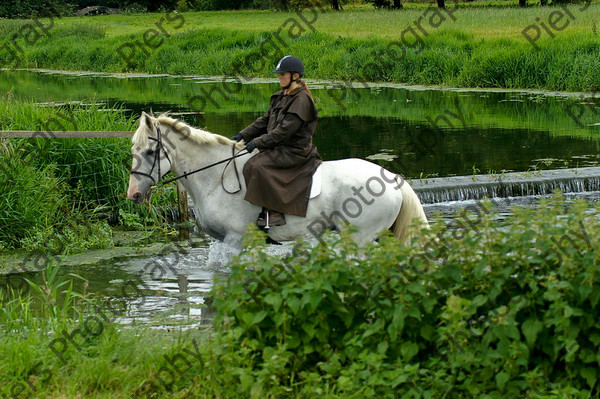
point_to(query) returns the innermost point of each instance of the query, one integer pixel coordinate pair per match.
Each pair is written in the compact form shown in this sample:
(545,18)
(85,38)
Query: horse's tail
(411,209)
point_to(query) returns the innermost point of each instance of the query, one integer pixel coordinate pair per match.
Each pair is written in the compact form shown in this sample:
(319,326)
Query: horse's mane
(199,136)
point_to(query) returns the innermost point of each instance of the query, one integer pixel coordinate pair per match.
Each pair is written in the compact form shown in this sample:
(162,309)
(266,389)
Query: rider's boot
(268,219)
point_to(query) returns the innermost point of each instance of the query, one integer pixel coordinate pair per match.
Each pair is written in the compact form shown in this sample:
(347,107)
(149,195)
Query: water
(516,184)
(166,291)
(418,132)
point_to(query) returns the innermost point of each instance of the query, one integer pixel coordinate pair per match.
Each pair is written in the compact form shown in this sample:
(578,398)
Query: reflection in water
(170,288)
(477,132)
(173,285)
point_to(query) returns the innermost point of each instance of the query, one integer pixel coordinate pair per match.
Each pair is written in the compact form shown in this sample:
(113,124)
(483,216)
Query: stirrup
(264,220)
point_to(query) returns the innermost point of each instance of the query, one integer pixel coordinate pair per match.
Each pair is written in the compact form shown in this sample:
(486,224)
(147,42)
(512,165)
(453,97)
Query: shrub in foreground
(488,308)
(485,308)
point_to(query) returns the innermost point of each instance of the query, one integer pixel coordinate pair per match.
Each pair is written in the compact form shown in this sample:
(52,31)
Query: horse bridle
(160,146)
(157,150)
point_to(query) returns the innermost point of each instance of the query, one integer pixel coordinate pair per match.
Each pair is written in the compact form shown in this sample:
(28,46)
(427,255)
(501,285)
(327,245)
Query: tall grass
(96,170)
(483,47)
(50,188)
(31,199)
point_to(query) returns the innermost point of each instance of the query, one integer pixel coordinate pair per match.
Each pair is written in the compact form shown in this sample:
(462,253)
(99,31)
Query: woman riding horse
(279,177)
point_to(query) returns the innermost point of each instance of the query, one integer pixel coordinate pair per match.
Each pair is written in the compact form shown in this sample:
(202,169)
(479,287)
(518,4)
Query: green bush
(381,3)
(30,198)
(35,8)
(70,239)
(497,309)
(505,309)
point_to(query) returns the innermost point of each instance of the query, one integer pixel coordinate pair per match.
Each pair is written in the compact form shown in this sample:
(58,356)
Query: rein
(156,161)
(205,167)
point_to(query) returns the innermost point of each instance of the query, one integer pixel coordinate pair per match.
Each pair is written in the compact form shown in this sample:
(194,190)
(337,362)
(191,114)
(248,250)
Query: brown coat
(280,176)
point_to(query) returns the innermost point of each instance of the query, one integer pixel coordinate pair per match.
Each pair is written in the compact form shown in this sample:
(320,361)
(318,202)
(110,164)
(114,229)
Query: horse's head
(151,158)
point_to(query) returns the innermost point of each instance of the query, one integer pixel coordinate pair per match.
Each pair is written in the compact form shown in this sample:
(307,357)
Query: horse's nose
(137,196)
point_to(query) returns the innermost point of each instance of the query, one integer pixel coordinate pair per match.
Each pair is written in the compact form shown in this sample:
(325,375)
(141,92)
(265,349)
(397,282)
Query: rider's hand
(250,146)
(236,137)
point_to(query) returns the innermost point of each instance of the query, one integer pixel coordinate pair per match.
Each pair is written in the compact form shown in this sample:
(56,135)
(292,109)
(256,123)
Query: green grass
(499,312)
(57,195)
(483,47)
(354,22)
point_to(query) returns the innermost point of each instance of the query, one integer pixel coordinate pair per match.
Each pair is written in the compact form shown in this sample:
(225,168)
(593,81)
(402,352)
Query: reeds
(63,190)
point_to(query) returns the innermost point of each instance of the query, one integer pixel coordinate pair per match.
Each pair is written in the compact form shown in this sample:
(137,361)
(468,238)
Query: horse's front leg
(234,240)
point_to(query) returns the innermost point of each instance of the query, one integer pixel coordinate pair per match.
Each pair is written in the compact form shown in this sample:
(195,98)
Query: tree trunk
(336,5)
(397,4)
(544,2)
(441,3)
(522,3)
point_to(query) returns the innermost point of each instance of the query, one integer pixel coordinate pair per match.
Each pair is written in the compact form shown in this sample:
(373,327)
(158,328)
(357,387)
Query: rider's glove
(236,137)
(250,146)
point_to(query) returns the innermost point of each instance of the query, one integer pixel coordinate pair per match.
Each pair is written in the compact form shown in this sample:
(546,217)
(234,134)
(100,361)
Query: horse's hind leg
(364,236)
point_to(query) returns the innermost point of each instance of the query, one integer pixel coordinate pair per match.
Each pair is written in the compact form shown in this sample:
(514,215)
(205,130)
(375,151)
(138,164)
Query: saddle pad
(317,181)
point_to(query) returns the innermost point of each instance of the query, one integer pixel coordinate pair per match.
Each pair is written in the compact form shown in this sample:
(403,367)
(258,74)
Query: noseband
(159,147)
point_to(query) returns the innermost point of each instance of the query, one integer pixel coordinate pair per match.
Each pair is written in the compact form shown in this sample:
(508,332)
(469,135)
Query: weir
(514,184)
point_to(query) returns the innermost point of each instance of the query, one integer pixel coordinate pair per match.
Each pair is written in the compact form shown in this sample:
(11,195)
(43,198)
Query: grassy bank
(469,47)
(59,195)
(504,309)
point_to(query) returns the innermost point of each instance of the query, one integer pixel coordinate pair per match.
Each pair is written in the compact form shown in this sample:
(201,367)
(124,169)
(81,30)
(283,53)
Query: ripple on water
(171,288)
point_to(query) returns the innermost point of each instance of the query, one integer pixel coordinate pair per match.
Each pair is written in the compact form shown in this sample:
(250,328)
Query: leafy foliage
(70,238)
(35,8)
(505,309)
(497,310)
(57,8)
(381,3)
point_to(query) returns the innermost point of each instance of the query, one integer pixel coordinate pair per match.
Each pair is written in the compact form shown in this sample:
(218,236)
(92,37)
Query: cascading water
(521,184)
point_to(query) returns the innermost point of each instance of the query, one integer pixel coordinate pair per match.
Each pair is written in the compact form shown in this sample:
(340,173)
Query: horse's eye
(150,152)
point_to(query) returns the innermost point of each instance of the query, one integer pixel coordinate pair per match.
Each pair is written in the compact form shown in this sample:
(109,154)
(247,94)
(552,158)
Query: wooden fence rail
(62,134)
(14,134)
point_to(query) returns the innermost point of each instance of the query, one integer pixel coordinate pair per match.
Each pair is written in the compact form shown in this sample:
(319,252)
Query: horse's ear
(146,120)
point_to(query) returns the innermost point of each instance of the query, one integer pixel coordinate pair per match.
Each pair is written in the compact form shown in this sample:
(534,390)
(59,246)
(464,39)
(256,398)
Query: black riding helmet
(291,64)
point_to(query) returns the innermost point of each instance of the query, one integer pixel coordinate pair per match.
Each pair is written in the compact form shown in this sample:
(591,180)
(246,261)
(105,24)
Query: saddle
(317,182)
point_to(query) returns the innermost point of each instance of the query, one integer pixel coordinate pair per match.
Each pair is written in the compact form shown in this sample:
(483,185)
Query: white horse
(353,190)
